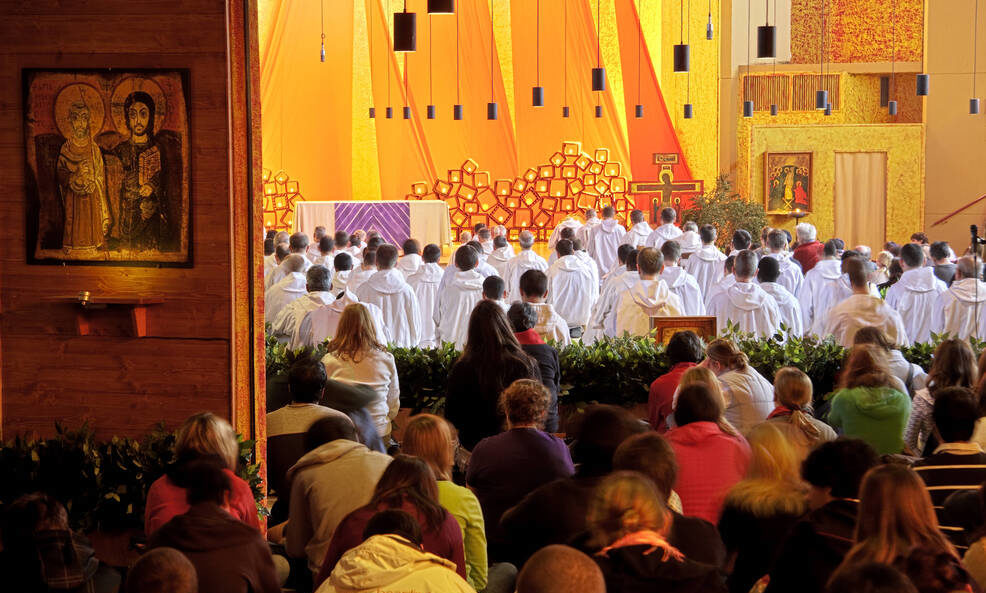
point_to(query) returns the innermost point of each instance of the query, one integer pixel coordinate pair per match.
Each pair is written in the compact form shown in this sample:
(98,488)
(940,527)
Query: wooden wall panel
(120,384)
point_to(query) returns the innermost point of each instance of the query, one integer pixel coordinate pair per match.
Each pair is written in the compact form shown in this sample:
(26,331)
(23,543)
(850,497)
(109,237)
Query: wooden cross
(667,187)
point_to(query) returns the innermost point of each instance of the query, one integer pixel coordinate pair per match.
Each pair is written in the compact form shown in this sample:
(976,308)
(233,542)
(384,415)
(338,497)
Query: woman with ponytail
(628,527)
(748,396)
(793,415)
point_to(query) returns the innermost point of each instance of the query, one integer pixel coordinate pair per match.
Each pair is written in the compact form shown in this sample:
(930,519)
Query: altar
(424,220)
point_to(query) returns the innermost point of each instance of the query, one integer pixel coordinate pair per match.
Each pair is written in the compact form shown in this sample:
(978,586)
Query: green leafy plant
(727,211)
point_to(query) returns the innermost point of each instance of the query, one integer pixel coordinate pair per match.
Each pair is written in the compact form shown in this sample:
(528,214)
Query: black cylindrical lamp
(828,108)
(405,31)
(747,108)
(638,111)
(373,112)
(821,99)
(682,57)
(923,85)
(407,112)
(431,112)
(892,107)
(774,109)
(389,112)
(537,96)
(441,6)
(565,111)
(974,106)
(766,41)
(689,111)
(457,112)
(709,29)
(599,79)
(599,110)
(492,110)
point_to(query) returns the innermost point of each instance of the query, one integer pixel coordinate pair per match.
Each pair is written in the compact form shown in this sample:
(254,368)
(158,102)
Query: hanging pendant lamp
(492,111)
(430,111)
(974,101)
(441,6)
(923,81)
(747,103)
(708,27)
(457,108)
(565,111)
(322,11)
(369,25)
(638,109)
(405,31)
(537,93)
(822,94)
(767,35)
(774,108)
(682,53)
(598,73)
(688,111)
(892,104)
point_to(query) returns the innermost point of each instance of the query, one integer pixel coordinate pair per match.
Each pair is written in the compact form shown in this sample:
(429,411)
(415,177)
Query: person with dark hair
(789,271)
(411,260)
(279,250)
(668,231)
(491,360)
(862,309)
(495,290)
(523,319)
(816,545)
(408,485)
(367,268)
(297,245)
(290,287)
(975,556)
(229,557)
(932,571)
(915,295)
(768,276)
(684,350)
(639,230)
(572,289)
(551,326)
(681,282)
(162,570)
(560,569)
(953,365)
(391,558)
(960,311)
(388,290)
(425,282)
(268,249)
(318,293)
(871,577)
(522,262)
(501,255)
(941,254)
(710,461)
(319,248)
(742,240)
(911,375)
(603,239)
(336,476)
(648,297)
(505,467)
(356,245)
(342,269)
(745,304)
(458,299)
(706,264)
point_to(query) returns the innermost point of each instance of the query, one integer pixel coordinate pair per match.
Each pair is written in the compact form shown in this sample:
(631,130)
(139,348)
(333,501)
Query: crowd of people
(733,482)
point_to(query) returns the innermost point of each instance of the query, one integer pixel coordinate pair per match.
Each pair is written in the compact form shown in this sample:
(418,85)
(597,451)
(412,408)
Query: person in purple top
(506,467)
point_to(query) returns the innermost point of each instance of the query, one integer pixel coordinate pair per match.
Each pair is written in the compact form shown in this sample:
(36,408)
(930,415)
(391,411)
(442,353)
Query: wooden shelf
(97,313)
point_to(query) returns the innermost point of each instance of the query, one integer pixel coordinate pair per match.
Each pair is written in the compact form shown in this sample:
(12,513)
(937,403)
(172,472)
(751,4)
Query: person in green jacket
(867,406)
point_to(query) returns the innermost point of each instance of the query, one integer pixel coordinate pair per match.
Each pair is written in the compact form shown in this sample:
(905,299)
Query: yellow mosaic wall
(905,169)
(858,30)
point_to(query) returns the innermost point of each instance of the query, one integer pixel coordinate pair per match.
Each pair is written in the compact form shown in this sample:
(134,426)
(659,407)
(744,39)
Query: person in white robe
(501,256)
(862,309)
(749,397)
(389,290)
(313,252)
(745,304)
(425,284)
(319,287)
(563,234)
(570,288)
(681,282)
(604,240)
(297,244)
(724,283)
(706,264)
(639,230)
(960,311)
(495,289)
(591,221)
(915,295)
(647,297)
(823,289)
(790,276)
(281,251)
(570,222)
(290,287)
(457,300)
(768,272)
(324,253)
(522,262)
(321,324)
(485,238)
(355,248)
(367,268)
(550,325)
(484,269)
(605,303)
(667,231)
(689,240)
(411,260)
(742,240)
(583,256)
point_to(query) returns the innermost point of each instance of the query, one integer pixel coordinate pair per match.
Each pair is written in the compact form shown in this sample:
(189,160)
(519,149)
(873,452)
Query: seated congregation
(733,482)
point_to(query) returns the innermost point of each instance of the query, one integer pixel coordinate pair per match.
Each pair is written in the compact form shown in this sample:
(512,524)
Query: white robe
(790,276)
(359,276)
(637,235)
(915,297)
(523,261)
(340,280)
(584,232)
(863,310)
(590,265)
(283,292)
(663,234)
(956,309)
(356,253)
(748,306)
(788,306)
(690,242)
(686,287)
(485,270)
(285,326)
(749,398)
(605,317)
(823,289)
(425,284)
(643,300)
(571,290)
(487,246)
(550,325)
(603,242)
(455,305)
(604,305)
(389,290)
(279,272)
(718,288)
(500,259)
(270,262)
(409,264)
(321,324)
(707,266)
(570,223)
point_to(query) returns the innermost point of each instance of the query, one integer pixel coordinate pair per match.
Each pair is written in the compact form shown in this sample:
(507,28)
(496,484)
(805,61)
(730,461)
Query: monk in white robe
(667,231)
(823,288)
(639,230)
(583,256)
(648,297)
(606,303)
(318,285)
(321,324)
(411,260)
(550,325)
(288,288)
(367,268)
(501,256)
(604,239)
(297,244)
(689,240)
(708,263)
(485,270)
(791,276)
(591,221)
(313,252)
(960,311)
(745,304)
(915,295)
(571,288)
(563,234)
(724,283)
(281,251)
(457,300)
(570,222)
(681,282)
(389,290)
(862,309)
(425,284)
(522,262)
(768,272)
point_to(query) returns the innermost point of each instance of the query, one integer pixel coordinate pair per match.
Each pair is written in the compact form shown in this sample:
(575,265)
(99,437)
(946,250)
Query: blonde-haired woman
(761,509)
(356,356)
(431,439)
(793,415)
(628,528)
(200,436)
(749,397)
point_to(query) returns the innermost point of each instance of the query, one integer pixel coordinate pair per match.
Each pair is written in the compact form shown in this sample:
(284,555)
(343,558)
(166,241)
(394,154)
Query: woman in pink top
(202,435)
(710,460)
